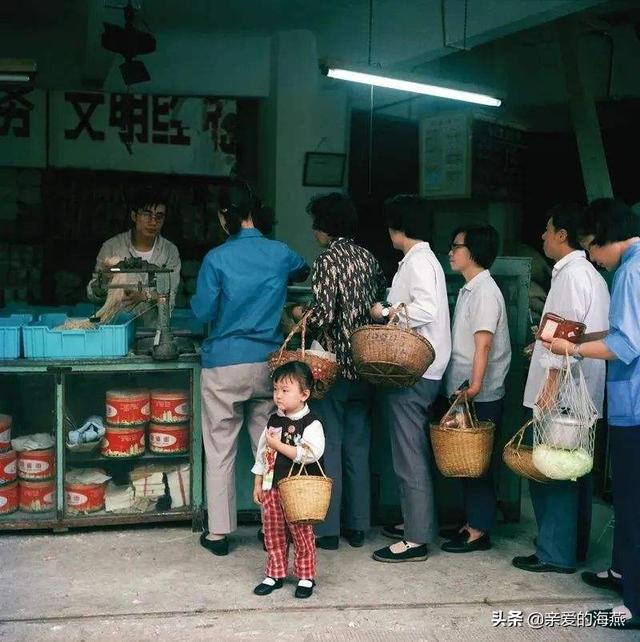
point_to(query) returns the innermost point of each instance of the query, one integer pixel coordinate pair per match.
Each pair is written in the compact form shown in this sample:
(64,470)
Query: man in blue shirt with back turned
(611,235)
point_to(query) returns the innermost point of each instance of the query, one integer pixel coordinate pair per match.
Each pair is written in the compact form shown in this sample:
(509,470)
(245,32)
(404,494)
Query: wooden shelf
(92,459)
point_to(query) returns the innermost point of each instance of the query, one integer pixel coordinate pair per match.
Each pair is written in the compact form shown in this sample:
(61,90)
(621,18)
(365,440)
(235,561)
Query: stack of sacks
(148,481)
(179,482)
(119,499)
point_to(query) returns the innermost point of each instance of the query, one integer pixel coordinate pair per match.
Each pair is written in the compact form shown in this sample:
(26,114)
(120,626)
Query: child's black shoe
(304,588)
(268,585)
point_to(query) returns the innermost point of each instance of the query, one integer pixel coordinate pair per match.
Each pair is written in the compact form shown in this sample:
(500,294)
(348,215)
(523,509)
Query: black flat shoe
(610,583)
(453,533)
(534,565)
(217,547)
(393,532)
(411,554)
(303,592)
(328,542)
(610,621)
(355,538)
(264,589)
(459,545)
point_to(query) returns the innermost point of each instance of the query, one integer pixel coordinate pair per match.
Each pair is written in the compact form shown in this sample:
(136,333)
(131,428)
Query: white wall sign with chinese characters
(142,133)
(134,132)
(23,128)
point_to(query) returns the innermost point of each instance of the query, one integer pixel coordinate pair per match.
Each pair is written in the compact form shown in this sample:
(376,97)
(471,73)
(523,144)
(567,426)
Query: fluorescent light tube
(14,78)
(411,86)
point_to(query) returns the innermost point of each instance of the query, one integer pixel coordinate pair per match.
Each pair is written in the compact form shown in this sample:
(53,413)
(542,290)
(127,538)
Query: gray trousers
(407,412)
(231,396)
(345,416)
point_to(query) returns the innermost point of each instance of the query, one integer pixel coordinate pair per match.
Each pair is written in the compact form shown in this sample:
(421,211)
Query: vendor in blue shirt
(611,235)
(241,291)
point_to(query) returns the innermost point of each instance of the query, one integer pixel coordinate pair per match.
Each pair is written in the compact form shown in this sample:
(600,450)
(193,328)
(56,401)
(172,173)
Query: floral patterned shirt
(346,281)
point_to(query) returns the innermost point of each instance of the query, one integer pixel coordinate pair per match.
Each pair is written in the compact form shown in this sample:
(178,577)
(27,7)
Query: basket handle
(402,308)
(519,435)
(301,327)
(304,466)
(470,412)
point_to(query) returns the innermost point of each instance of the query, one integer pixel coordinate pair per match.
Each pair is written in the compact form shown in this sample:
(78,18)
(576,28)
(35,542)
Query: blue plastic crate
(184,319)
(41,341)
(11,334)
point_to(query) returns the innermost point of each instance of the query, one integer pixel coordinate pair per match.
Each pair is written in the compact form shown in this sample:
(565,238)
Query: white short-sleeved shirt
(577,293)
(420,284)
(480,307)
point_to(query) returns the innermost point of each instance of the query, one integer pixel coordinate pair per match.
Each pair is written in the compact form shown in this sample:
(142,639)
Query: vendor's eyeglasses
(455,246)
(152,216)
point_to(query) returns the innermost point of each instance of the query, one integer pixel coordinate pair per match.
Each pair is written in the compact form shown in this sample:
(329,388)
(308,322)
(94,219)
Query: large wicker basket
(325,371)
(305,498)
(463,451)
(388,355)
(518,457)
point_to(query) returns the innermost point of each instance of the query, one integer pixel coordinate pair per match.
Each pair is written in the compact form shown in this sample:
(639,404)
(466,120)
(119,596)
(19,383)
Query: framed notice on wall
(445,156)
(322,169)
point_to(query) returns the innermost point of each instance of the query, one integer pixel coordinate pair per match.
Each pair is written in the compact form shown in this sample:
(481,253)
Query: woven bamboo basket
(518,457)
(305,498)
(463,451)
(324,370)
(388,355)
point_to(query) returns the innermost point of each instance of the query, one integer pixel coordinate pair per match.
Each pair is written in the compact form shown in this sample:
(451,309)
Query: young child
(293,434)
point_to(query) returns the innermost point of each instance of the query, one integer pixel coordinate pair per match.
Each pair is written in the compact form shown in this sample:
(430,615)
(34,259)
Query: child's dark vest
(291,428)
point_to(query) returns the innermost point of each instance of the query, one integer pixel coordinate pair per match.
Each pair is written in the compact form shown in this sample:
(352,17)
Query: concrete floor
(158,583)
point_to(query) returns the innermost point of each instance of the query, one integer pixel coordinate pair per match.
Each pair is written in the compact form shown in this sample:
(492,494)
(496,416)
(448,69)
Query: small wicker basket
(463,451)
(324,370)
(518,457)
(388,355)
(305,498)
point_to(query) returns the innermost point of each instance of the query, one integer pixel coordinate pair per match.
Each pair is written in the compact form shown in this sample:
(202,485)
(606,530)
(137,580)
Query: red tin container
(5,432)
(84,498)
(123,442)
(37,496)
(9,498)
(8,467)
(170,406)
(169,439)
(37,465)
(127,407)
(553,326)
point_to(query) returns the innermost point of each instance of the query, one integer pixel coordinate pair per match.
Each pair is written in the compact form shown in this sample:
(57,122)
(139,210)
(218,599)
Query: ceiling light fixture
(413,86)
(17,72)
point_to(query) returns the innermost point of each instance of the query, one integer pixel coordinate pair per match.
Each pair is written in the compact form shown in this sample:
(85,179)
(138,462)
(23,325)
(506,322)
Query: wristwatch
(385,312)
(576,353)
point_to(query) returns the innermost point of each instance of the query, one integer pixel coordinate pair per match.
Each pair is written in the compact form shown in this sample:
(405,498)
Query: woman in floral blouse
(346,281)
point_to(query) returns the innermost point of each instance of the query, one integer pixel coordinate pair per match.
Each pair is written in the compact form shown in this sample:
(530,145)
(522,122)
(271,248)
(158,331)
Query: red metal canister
(37,464)
(167,438)
(5,432)
(554,326)
(127,407)
(84,498)
(123,442)
(170,406)
(37,496)
(8,467)
(9,498)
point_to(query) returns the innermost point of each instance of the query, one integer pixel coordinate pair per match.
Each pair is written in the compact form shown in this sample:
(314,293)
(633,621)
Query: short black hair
(481,241)
(238,203)
(410,214)
(568,217)
(146,195)
(297,371)
(609,221)
(334,214)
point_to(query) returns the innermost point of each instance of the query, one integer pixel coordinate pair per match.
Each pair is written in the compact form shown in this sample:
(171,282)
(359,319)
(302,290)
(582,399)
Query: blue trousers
(563,515)
(345,415)
(480,493)
(625,459)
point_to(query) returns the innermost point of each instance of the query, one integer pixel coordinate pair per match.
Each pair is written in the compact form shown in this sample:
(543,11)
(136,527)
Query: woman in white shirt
(419,283)
(481,355)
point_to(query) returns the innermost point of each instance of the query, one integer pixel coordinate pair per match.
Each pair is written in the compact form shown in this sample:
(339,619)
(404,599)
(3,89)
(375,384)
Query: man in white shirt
(420,284)
(578,293)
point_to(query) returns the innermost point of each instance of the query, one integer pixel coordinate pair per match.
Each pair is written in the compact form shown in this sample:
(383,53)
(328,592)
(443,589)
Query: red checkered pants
(277,535)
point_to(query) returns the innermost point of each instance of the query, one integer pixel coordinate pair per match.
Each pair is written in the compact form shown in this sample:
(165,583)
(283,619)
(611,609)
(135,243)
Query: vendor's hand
(273,442)
(559,346)
(297,312)
(133,297)
(258,493)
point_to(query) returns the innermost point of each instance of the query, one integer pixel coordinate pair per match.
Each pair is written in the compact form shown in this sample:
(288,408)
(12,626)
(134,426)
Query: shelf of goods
(67,458)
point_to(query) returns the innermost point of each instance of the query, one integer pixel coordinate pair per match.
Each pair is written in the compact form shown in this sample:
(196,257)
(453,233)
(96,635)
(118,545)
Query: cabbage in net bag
(564,421)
